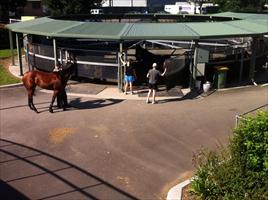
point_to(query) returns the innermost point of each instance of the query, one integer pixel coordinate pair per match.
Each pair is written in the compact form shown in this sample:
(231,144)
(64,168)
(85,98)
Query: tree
(241,5)
(63,7)
(7,6)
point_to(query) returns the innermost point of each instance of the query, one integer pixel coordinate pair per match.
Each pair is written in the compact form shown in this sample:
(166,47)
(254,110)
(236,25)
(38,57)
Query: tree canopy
(7,6)
(63,7)
(241,5)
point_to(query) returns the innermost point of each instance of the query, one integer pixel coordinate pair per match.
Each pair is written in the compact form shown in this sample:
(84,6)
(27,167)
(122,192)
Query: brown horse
(55,81)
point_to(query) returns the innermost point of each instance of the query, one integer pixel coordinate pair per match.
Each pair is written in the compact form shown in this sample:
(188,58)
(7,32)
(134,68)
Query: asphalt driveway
(111,149)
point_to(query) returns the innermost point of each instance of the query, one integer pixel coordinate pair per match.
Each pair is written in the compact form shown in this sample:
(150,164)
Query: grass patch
(6,53)
(7,78)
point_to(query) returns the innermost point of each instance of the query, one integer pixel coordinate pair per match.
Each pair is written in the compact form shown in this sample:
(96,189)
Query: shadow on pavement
(9,193)
(74,104)
(92,104)
(189,96)
(61,179)
(20,106)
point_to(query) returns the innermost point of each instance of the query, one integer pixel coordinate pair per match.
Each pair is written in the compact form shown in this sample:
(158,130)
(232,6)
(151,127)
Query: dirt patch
(57,135)
(186,195)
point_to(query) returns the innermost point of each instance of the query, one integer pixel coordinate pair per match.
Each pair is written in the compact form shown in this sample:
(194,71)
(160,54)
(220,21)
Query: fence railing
(14,20)
(243,116)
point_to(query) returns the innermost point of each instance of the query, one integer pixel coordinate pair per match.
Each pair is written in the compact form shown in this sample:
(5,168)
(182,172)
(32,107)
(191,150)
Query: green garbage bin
(221,75)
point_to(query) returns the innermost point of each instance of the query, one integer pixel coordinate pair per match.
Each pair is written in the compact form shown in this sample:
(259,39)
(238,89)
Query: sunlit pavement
(108,148)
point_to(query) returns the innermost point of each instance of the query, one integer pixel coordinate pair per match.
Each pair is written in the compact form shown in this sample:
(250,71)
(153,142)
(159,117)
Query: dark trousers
(62,100)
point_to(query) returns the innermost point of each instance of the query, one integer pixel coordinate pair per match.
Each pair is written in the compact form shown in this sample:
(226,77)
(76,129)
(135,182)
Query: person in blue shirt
(130,75)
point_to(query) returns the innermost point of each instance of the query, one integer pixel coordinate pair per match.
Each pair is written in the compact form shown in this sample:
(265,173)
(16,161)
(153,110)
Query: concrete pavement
(111,148)
(104,147)
(106,91)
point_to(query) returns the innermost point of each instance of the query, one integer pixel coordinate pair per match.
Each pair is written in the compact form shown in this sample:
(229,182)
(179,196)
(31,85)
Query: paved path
(108,148)
(108,91)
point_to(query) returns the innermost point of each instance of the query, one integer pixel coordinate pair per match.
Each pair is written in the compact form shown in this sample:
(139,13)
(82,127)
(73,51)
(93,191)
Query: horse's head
(68,71)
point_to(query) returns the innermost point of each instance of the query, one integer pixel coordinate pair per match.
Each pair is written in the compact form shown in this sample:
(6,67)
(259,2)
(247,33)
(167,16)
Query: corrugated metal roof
(251,24)
(243,15)
(216,30)
(160,31)
(94,30)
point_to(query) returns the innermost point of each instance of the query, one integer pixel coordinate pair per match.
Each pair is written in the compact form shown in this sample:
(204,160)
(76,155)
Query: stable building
(97,41)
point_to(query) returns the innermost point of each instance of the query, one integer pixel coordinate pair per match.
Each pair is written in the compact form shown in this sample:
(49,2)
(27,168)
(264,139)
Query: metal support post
(253,59)
(194,68)
(241,65)
(28,56)
(61,58)
(19,54)
(55,51)
(119,71)
(66,56)
(11,48)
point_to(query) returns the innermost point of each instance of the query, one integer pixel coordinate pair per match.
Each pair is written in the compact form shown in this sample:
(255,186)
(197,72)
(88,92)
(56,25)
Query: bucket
(206,86)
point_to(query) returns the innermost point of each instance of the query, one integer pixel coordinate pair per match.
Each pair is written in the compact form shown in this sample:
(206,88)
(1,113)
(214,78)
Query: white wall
(126,3)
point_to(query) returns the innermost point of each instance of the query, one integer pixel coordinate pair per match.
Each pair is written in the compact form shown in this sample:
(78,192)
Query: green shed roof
(248,25)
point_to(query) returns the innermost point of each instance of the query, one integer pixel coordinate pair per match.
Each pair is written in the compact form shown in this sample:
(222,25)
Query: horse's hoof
(50,110)
(36,111)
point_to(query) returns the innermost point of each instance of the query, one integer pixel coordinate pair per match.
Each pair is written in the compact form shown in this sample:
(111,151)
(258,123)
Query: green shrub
(6,77)
(249,145)
(239,171)
(6,53)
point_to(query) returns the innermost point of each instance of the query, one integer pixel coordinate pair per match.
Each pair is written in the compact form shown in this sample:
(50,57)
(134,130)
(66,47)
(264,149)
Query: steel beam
(55,51)
(19,53)
(253,59)
(119,71)
(11,48)
(241,65)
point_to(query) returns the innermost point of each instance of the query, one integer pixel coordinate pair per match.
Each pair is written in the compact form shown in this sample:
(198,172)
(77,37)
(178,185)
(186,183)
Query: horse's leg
(30,99)
(55,94)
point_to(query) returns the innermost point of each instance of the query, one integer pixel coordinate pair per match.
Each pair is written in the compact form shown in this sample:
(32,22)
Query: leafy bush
(249,146)
(239,171)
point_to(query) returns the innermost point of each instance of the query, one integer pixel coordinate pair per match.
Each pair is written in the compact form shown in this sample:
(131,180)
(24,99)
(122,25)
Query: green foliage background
(241,5)
(63,7)
(9,5)
(239,171)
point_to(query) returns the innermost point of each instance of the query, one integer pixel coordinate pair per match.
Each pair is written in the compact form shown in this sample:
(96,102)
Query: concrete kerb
(11,85)
(175,193)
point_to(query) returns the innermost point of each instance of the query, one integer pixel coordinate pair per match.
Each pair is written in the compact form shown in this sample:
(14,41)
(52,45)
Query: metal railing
(14,20)
(243,116)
